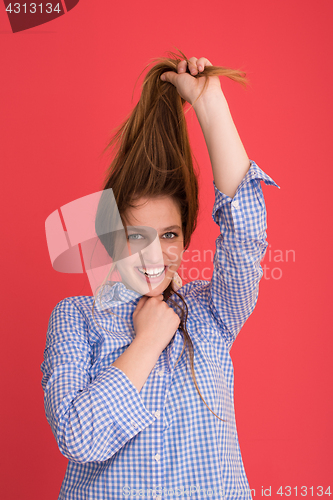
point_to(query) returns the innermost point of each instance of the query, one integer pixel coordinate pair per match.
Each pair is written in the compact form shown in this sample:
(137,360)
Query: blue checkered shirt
(161,442)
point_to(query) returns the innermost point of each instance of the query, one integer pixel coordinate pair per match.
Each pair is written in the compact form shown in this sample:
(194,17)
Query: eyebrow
(169,228)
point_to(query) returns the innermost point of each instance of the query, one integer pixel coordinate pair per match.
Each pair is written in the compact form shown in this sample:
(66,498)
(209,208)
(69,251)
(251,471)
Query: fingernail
(200,68)
(163,77)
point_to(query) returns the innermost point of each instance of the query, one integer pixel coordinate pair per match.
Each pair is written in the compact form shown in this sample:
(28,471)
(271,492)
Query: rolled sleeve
(91,420)
(239,250)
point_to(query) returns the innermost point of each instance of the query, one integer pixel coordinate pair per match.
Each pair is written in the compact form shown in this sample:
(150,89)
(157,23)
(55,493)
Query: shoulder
(80,315)
(193,287)
(73,319)
(79,303)
(71,313)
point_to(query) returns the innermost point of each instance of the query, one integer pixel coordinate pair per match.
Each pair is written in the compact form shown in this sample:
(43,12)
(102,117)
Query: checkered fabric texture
(161,442)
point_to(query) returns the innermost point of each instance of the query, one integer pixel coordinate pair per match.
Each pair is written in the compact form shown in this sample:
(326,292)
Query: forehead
(157,212)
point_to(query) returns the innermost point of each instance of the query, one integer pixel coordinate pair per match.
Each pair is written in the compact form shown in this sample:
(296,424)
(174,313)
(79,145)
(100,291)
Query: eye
(135,236)
(169,235)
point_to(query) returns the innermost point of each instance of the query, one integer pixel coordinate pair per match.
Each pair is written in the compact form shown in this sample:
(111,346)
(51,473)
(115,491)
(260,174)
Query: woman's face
(155,245)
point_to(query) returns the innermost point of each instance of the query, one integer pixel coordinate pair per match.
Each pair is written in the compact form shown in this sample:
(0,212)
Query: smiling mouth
(153,272)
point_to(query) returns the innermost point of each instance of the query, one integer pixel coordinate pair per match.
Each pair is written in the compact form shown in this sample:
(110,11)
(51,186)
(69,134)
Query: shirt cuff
(245,213)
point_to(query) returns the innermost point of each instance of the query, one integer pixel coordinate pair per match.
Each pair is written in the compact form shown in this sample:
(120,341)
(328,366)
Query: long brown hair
(152,157)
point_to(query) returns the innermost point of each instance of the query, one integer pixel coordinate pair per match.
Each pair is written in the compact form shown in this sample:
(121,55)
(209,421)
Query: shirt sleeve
(91,420)
(239,250)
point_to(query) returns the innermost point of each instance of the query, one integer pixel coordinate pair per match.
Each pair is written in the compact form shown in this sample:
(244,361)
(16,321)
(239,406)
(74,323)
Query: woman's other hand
(155,323)
(189,87)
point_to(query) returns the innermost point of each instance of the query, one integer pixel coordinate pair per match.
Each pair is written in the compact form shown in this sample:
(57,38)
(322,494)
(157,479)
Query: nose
(152,254)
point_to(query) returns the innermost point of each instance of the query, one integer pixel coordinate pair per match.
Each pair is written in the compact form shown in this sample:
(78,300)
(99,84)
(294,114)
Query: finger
(202,62)
(192,65)
(182,65)
(141,303)
(169,76)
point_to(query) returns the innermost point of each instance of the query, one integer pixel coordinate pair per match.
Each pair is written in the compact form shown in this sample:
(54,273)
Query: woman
(118,396)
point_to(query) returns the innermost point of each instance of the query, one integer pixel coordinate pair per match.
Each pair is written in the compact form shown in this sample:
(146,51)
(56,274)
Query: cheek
(120,248)
(127,263)
(125,251)
(175,252)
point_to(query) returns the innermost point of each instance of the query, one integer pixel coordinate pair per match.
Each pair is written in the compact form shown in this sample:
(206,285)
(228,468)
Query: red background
(65,86)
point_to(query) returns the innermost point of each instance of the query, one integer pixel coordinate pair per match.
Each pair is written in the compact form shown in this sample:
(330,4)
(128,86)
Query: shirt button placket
(158,476)
(157,452)
(157,456)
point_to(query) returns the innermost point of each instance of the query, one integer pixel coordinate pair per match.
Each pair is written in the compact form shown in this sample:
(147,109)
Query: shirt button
(157,413)
(134,425)
(158,497)
(157,457)
(160,373)
(235,203)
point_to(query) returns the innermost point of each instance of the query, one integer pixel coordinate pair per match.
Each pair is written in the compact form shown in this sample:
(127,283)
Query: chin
(154,293)
(157,291)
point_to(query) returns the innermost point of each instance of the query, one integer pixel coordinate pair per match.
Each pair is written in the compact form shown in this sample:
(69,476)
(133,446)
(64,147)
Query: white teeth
(153,272)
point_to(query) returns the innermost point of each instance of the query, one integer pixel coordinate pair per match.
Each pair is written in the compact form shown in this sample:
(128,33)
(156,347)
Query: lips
(151,274)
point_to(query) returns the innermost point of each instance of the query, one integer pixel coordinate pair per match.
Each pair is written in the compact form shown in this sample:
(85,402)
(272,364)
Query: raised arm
(228,157)
(239,207)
